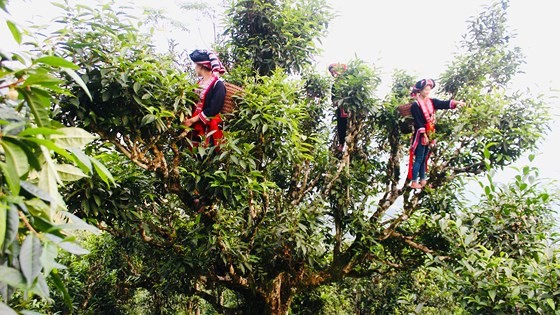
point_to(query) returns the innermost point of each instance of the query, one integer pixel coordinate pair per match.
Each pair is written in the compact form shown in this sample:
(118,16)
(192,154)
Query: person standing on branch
(205,120)
(336,69)
(423,111)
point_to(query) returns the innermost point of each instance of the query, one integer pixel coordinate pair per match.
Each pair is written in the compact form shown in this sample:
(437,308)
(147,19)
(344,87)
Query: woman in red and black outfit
(206,120)
(423,111)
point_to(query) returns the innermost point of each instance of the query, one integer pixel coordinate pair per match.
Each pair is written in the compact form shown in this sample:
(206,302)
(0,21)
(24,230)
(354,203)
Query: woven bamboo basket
(404,110)
(230,101)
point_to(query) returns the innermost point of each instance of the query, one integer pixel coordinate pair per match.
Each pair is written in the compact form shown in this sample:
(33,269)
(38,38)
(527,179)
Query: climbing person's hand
(190,121)
(460,104)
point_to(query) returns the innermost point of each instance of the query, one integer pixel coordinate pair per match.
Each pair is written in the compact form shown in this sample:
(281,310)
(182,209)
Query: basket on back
(230,101)
(404,110)
(405,120)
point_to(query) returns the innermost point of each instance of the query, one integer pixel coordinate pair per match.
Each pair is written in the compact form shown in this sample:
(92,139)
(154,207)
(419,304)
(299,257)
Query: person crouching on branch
(423,111)
(205,120)
(337,69)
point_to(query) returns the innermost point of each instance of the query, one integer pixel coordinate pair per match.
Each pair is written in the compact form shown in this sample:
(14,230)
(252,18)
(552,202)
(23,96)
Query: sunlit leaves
(10,168)
(56,62)
(257,217)
(103,172)
(39,103)
(78,80)
(72,137)
(490,60)
(12,277)
(503,244)
(16,158)
(276,34)
(16,34)
(5,309)
(12,224)
(68,244)
(29,258)
(37,157)
(3,215)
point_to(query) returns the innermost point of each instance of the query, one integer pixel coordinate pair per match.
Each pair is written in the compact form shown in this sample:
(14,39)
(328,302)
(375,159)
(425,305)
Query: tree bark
(279,297)
(275,299)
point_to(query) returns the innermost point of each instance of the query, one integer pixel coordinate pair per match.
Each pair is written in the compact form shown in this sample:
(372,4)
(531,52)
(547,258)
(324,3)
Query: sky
(420,37)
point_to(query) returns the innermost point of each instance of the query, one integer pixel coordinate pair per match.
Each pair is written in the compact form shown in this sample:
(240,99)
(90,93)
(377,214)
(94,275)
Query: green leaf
(56,62)
(15,157)
(36,191)
(42,79)
(16,34)
(551,303)
(30,258)
(534,307)
(75,222)
(39,209)
(59,284)
(136,87)
(68,244)
(12,225)
(39,104)
(48,257)
(515,292)
(103,172)
(3,216)
(82,160)
(39,131)
(52,147)
(49,180)
(10,175)
(138,100)
(12,277)
(69,173)
(147,119)
(78,80)
(72,137)
(492,294)
(41,288)
(6,310)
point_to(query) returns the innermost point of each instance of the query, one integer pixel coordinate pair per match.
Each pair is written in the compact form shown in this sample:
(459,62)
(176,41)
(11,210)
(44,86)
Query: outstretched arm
(451,104)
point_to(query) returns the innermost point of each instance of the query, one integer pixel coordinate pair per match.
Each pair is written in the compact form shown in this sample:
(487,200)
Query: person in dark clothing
(337,69)
(206,120)
(423,111)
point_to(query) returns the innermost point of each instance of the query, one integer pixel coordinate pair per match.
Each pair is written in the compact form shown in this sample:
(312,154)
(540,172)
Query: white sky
(417,36)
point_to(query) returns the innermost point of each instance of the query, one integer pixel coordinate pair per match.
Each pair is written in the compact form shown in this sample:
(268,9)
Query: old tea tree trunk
(274,299)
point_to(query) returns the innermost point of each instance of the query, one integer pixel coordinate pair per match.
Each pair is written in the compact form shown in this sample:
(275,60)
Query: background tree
(270,34)
(274,213)
(507,248)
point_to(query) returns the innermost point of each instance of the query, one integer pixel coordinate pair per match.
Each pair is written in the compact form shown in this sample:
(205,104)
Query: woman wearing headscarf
(206,120)
(423,111)
(336,69)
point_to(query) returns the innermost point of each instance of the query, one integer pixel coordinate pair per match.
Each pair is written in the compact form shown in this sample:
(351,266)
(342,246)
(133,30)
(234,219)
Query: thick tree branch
(212,300)
(142,163)
(408,240)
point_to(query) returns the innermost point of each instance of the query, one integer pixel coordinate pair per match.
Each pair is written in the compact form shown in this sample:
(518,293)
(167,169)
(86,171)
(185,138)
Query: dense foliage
(270,34)
(275,219)
(38,155)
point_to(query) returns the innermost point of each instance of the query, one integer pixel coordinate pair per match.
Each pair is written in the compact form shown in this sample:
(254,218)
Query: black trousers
(341,126)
